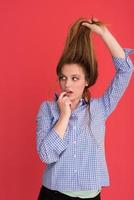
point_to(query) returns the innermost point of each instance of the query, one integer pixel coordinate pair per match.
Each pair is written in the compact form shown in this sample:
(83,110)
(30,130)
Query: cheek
(80,86)
(61,84)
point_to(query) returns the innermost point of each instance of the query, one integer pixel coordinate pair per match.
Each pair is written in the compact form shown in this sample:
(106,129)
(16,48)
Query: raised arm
(119,83)
(123,65)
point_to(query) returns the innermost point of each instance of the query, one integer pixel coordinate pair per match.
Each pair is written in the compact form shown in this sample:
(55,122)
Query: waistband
(66,197)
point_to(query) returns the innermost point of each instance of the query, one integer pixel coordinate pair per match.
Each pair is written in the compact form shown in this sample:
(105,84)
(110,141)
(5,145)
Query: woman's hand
(98,27)
(95,26)
(64,104)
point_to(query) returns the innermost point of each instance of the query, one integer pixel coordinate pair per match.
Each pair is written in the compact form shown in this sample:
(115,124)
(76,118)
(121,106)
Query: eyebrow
(71,75)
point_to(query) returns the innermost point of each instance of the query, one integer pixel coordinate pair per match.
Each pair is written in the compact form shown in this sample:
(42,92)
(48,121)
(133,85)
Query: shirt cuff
(55,142)
(124,64)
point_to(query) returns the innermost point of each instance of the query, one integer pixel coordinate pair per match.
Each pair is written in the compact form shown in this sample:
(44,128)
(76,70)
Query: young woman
(71,128)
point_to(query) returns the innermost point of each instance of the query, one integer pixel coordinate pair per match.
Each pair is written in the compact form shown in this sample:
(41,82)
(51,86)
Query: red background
(32,37)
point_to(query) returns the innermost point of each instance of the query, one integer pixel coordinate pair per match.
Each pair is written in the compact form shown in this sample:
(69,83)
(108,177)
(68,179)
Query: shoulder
(96,106)
(49,107)
(95,102)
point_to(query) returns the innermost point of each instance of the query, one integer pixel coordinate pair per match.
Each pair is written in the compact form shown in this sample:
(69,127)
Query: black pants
(47,194)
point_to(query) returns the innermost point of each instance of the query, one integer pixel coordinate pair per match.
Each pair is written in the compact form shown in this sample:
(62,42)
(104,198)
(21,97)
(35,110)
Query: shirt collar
(83,101)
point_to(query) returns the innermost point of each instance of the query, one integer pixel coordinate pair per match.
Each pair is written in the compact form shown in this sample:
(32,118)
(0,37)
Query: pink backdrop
(32,38)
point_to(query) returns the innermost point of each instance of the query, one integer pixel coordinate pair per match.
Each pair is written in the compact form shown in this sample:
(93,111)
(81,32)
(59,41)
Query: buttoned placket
(74,130)
(75,118)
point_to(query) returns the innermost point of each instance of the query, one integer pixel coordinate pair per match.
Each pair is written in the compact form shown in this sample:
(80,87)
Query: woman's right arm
(61,125)
(49,140)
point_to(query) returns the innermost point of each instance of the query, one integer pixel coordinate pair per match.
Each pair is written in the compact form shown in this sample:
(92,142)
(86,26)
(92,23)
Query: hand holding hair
(95,26)
(101,29)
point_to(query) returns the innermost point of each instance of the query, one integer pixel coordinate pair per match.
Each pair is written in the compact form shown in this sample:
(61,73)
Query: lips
(69,91)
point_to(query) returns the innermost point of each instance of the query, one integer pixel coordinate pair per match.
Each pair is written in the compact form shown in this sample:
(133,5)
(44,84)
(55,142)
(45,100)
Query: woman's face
(72,79)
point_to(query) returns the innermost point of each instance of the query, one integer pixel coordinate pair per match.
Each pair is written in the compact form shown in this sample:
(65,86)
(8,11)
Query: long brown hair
(79,49)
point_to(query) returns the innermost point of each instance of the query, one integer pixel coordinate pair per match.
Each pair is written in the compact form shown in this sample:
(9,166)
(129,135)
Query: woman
(71,128)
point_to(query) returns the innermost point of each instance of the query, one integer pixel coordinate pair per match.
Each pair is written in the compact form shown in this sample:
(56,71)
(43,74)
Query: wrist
(64,116)
(104,33)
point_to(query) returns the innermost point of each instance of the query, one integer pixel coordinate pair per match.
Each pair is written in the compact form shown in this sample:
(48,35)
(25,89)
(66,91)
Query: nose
(67,83)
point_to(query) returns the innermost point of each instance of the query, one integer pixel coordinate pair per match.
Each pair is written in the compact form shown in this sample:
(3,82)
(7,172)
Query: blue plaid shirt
(77,162)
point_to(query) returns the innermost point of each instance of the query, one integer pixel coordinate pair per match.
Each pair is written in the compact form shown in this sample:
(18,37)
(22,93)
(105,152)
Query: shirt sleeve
(49,144)
(124,69)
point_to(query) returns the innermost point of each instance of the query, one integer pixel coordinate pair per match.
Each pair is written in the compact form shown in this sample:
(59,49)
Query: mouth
(69,92)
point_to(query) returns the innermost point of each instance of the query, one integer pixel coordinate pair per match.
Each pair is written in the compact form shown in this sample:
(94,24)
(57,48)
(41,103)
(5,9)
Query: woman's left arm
(118,85)
(123,65)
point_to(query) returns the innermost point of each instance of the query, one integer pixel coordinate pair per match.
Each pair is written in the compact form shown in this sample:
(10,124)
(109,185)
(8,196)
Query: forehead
(70,69)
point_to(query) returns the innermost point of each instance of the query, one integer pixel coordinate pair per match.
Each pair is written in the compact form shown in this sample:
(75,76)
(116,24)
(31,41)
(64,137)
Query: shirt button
(74,127)
(74,155)
(74,142)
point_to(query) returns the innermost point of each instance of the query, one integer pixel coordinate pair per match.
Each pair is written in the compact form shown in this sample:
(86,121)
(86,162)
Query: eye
(62,78)
(75,78)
